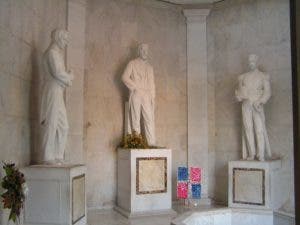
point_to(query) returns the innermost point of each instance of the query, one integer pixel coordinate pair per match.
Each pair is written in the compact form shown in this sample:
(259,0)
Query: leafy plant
(134,140)
(13,198)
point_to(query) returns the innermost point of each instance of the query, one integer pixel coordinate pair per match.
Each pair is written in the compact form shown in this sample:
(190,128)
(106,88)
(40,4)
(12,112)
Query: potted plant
(134,141)
(14,186)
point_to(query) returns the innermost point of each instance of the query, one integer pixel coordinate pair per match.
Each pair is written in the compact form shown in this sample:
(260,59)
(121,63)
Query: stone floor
(111,217)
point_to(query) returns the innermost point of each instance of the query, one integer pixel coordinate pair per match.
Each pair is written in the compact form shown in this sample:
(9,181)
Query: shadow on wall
(34,105)
(123,90)
(132,54)
(124,93)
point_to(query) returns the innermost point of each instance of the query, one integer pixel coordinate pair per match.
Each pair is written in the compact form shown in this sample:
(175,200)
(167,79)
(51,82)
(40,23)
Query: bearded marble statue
(53,115)
(254,90)
(139,79)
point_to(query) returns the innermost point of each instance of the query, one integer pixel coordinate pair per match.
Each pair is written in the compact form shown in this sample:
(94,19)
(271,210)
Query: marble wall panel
(74,94)
(249,186)
(151,175)
(25,28)
(78,198)
(114,28)
(236,29)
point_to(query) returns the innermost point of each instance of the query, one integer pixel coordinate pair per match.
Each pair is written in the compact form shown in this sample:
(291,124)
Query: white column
(76,11)
(197,93)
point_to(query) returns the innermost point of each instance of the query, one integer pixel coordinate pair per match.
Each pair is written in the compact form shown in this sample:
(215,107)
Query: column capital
(196,15)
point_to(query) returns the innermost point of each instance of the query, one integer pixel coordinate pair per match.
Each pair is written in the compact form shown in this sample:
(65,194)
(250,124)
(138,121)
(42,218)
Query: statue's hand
(237,95)
(152,103)
(71,75)
(71,78)
(257,106)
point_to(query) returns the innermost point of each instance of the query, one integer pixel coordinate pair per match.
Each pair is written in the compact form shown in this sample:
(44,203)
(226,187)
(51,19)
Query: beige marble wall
(235,29)
(74,94)
(211,109)
(25,28)
(114,28)
(197,91)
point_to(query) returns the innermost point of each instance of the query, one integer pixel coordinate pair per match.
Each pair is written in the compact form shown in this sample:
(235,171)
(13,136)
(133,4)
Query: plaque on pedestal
(144,182)
(252,184)
(56,195)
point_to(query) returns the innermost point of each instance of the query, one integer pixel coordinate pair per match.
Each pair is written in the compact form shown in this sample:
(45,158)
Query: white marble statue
(53,116)
(138,77)
(254,91)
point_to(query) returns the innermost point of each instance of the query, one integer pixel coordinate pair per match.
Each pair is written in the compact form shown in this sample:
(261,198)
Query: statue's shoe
(50,162)
(250,158)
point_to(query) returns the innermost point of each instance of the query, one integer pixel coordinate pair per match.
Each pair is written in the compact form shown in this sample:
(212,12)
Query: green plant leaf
(13,198)
(12,216)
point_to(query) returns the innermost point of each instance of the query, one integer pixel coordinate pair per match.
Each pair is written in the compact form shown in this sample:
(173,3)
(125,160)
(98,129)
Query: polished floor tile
(111,217)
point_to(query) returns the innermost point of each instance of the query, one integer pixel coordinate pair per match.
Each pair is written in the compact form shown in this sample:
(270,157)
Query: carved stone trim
(263,186)
(196,15)
(75,220)
(138,192)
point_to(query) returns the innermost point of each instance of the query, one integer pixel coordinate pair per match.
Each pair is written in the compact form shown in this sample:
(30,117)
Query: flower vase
(5,216)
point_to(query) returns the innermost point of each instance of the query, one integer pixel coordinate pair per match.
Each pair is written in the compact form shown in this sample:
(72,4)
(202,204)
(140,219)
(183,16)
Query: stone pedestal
(252,184)
(56,195)
(144,182)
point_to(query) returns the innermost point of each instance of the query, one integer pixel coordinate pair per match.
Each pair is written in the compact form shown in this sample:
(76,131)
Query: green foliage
(13,198)
(134,140)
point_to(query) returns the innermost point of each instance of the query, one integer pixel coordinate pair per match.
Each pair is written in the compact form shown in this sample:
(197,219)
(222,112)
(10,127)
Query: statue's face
(143,51)
(63,40)
(252,62)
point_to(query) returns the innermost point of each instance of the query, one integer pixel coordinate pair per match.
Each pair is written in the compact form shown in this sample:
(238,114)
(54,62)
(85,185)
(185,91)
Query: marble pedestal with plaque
(144,182)
(56,195)
(252,184)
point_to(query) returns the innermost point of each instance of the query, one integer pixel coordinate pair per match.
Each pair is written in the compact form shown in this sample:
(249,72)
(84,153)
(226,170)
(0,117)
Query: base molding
(128,214)
(283,218)
(202,201)
(226,216)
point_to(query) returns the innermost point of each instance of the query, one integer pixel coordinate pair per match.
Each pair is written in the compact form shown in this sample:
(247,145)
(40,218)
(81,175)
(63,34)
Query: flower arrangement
(134,140)
(14,186)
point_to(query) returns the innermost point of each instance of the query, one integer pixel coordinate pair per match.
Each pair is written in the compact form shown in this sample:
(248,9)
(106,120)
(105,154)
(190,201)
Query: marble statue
(53,115)
(254,91)
(138,77)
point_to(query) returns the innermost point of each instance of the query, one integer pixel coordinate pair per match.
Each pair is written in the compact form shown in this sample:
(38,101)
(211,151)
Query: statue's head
(252,61)
(60,37)
(143,51)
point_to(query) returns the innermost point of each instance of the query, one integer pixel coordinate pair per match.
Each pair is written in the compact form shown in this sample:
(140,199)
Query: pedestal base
(251,184)
(56,195)
(204,201)
(129,214)
(144,182)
